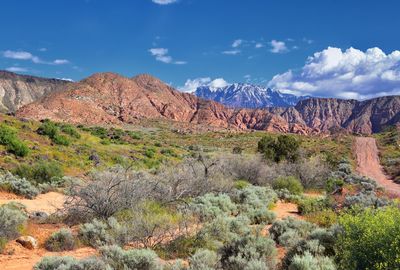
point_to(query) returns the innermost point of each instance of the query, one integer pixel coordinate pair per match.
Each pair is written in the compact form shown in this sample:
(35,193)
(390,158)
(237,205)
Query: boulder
(27,242)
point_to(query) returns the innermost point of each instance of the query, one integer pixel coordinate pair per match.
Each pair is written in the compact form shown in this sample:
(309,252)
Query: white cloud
(17,69)
(161,54)
(231,52)
(164,2)
(344,74)
(191,85)
(236,43)
(60,61)
(259,45)
(278,46)
(43,49)
(23,55)
(66,79)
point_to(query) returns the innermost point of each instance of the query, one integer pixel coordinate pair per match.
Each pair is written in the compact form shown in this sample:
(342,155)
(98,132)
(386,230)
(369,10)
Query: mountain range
(109,98)
(243,95)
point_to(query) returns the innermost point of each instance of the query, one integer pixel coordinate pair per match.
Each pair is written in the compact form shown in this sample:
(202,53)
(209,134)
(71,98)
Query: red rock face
(108,98)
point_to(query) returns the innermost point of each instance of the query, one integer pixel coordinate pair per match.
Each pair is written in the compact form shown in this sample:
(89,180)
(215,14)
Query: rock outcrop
(18,90)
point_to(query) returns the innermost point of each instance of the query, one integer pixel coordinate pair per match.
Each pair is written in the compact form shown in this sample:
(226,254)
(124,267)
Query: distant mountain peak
(245,95)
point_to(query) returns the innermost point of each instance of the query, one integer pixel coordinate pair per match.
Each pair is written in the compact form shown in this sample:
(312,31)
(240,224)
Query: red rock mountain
(108,98)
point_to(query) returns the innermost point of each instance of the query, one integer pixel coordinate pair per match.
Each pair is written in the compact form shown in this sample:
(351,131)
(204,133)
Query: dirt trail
(368,164)
(48,202)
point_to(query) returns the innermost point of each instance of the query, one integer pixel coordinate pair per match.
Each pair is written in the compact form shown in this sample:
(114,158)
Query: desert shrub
(168,152)
(193,177)
(288,231)
(210,206)
(364,199)
(310,205)
(247,250)
(324,218)
(41,172)
(60,241)
(108,192)
(221,230)
(19,186)
(51,130)
(254,202)
(308,262)
(8,138)
(333,184)
(282,147)
(312,172)
(70,263)
(370,240)
(241,184)
(12,221)
(48,128)
(237,150)
(99,132)
(99,233)
(289,183)
(136,259)
(320,243)
(287,196)
(70,130)
(150,152)
(150,223)
(61,140)
(203,260)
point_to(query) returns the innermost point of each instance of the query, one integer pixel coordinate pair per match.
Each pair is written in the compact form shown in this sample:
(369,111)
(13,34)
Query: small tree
(283,147)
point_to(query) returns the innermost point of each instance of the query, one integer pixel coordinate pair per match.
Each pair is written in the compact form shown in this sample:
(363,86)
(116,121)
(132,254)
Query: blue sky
(202,40)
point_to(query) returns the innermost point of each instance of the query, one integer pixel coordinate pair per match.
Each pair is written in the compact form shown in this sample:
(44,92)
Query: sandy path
(48,202)
(368,164)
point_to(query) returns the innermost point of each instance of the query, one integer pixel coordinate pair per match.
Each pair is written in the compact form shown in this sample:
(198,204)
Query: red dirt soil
(366,153)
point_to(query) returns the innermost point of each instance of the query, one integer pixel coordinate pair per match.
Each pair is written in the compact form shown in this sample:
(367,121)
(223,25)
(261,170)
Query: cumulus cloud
(17,69)
(351,74)
(161,54)
(23,55)
(278,46)
(259,45)
(191,85)
(164,2)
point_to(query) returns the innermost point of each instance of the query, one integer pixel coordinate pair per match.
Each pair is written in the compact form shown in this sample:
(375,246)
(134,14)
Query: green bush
(150,152)
(311,205)
(119,259)
(13,145)
(290,183)
(254,202)
(51,130)
(221,230)
(99,233)
(70,263)
(308,262)
(203,260)
(324,218)
(12,222)
(246,251)
(60,241)
(41,172)
(282,147)
(19,186)
(210,206)
(370,240)
(61,140)
(289,231)
(70,130)
(48,128)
